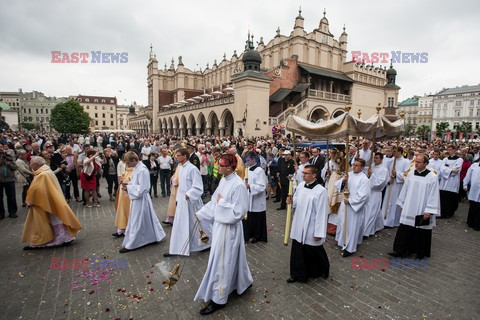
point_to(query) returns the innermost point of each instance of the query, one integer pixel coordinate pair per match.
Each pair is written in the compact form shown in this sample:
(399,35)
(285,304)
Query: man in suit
(193,157)
(286,167)
(318,161)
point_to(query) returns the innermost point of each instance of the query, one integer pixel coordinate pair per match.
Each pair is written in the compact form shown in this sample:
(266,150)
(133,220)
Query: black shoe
(167,223)
(292,280)
(123,250)
(205,250)
(168,194)
(13,216)
(99,195)
(118,235)
(156,196)
(281,208)
(31,248)
(345,253)
(253,240)
(397,254)
(211,308)
(274,201)
(167,254)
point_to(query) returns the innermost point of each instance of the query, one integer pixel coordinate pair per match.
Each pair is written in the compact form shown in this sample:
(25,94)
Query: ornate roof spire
(300,12)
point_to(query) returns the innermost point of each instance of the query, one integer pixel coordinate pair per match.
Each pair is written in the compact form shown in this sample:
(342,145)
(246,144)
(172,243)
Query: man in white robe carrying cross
(186,236)
(227,268)
(419,200)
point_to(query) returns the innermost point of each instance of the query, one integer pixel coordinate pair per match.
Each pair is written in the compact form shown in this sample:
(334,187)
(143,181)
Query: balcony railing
(328,95)
(284,115)
(200,105)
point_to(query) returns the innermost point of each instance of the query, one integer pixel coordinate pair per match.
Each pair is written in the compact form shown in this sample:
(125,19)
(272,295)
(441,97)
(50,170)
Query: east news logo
(96,57)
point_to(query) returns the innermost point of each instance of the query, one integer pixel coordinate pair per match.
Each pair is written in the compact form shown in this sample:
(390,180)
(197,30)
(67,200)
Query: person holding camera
(88,178)
(110,162)
(7,182)
(24,175)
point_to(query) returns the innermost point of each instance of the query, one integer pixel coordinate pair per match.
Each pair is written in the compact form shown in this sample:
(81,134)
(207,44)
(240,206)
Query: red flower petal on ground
(135,296)
(149,282)
(119,290)
(267,301)
(151,290)
(107,310)
(91,292)
(123,290)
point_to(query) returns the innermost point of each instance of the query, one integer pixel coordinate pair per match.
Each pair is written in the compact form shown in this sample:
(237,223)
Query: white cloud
(202,31)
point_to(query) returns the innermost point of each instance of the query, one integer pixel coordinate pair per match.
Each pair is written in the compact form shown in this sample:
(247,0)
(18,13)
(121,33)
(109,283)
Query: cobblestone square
(30,289)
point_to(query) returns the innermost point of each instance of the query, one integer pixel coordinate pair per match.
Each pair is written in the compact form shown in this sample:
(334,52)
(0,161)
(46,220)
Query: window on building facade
(111,101)
(37,110)
(88,107)
(96,115)
(111,108)
(111,116)
(46,111)
(472,102)
(103,100)
(95,107)
(96,122)
(438,112)
(458,113)
(111,123)
(103,122)
(391,101)
(96,100)
(471,112)
(103,107)
(87,100)
(477,125)
(29,110)
(458,103)
(103,115)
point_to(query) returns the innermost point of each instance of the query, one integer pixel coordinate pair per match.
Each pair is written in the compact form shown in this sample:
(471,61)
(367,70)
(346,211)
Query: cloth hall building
(250,93)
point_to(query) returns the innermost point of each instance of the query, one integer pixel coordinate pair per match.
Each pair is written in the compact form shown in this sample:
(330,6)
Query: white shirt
(145,152)
(165,162)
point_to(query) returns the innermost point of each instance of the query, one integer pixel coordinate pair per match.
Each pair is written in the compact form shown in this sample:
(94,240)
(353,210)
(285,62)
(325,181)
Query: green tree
(69,117)
(28,126)
(409,129)
(423,130)
(465,127)
(441,128)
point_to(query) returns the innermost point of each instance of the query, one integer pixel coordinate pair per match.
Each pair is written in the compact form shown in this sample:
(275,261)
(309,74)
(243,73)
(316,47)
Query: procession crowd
(218,189)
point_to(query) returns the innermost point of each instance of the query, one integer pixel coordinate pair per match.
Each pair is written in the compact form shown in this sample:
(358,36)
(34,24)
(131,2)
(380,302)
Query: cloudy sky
(202,31)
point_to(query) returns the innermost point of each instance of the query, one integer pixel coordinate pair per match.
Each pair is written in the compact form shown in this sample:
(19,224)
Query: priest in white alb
(256,222)
(472,181)
(308,258)
(227,268)
(390,210)
(143,226)
(365,153)
(359,188)
(378,176)
(331,173)
(420,205)
(186,237)
(450,183)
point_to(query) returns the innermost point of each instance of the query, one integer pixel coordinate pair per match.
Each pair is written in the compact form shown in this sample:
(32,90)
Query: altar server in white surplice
(373,212)
(256,223)
(308,258)
(143,226)
(227,268)
(450,183)
(359,188)
(435,164)
(365,153)
(389,206)
(472,180)
(185,236)
(420,204)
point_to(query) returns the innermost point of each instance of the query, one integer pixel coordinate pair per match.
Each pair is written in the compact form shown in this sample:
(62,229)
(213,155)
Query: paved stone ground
(29,289)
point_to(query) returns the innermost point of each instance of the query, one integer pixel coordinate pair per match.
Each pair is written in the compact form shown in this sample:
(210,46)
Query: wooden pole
(392,177)
(346,193)
(288,222)
(379,108)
